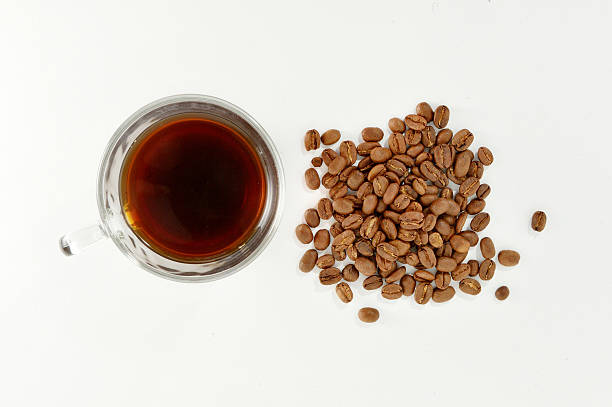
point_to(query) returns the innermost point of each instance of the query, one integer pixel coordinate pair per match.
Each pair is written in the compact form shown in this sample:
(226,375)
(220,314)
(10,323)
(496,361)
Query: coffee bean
(446,264)
(350,273)
(330,137)
(430,171)
(538,221)
(345,173)
(368,315)
(441,116)
(435,240)
(337,165)
(443,155)
(312,140)
(365,189)
(462,163)
(376,171)
(462,139)
(460,244)
(469,186)
(396,125)
(439,206)
(351,252)
(321,239)
(343,240)
(364,148)
(316,161)
(396,275)
(474,267)
(443,228)
(427,257)
(480,222)
(423,293)
(486,269)
(461,201)
(369,204)
(325,209)
(460,272)
(476,169)
(372,134)
(485,156)
(325,261)
(343,206)
(365,164)
(483,191)
(392,291)
(423,276)
(380,185)
(330,276)
(502,293)
(397,143)
(411,220)
(355,180)
(471,237)
(400,202)
(428,136)
(508,258)
(415,122)
(369,227)
(411,153)
(460,222)
(387,251)
(348,150)
(303,233)
(372,282)
(389,229)
(329,181)
(390,193)
(352,221)
(339,253)
(344,292)
(413,138)
(308,260)
(312,179)
(365,266)
(328,155)
(475,206)
(378,238)
(312,218)
(443,295)
(444,136)
(459,257)
(335,229)
(424,110)
(442,280)
(364,247)
(469,286)
(380,154)
(338,191)
(487,248)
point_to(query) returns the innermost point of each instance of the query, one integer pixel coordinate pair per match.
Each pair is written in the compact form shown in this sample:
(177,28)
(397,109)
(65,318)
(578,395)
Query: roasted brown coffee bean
(346,173)
(380,185)
(442,180)
(343,206)
(422,238)
(325,261)
(415,122)
(470,286)
(439,206)
(312,218)
(404,159)
(380,154)
(460,222)
(348,150)
(378,238)
(423,276)
(392,291)
(337,165)
(377,171)
(538,221)
(352,221)
(469,186)
(441,116)
(329,181)
(365,189)
(339,253)
(308,260)
(443,295)
(321,239)
(396,167)
(460,244)
(390,193)
(424,110)
(462,140)
(508,258)
(316,161)
(471,237)
(402,247)
(365,164)
(396,125)
(444,136)
(344,239)
(474,267)
(303,233)
(428,136)
(486,269)
(330,137)
(373,282)
(442,280)
(449,219)
(368,315)
(460,272)
(412,152)
(330,276)
(461,201)
(422,293)
(396,275)
(427,257)
(480,222)
(397,143)
(447,251)
(312,179)
(435,240)
(483,191)
(338,191)
(459,257)
(312,140)
(387,251)
(408,284)
(502,293)
(446,264)
(443,155)
(427,199)
(400,202)
(411,220)
(355,180)
(430,171)
(429,222)
(413,138)
(388,228)
(324,208)
(365,266)
(476,169)
(335,229)
(351,252)
(364,247)
(446,193)
(328,155)
(443,228)
(369,227)
(372,134)
(485,156)
(344,292)
(364,148)
(419,185)
(350,273)
(369,204)
(487,248)
(339,218)
(462,163)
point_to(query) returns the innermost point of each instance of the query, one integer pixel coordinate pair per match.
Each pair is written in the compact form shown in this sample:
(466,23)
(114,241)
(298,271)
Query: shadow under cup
(180,217)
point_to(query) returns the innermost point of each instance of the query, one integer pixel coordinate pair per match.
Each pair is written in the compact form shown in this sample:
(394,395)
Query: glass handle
(76,242)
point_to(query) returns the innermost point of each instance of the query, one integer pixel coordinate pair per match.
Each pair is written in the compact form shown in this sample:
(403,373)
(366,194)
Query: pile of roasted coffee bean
(396,216)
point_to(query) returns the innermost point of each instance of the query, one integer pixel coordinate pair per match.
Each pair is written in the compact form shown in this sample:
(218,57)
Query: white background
(530,79)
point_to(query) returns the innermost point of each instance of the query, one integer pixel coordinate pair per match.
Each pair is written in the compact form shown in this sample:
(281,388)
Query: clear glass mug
(114,225)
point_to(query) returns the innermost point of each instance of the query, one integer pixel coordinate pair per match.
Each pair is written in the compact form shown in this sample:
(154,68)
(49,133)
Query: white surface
(531,81)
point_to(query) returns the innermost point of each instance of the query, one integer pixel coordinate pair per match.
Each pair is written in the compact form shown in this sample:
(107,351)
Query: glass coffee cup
(198,258)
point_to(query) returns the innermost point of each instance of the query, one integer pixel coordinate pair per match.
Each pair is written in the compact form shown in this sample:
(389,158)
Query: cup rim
(201,98)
